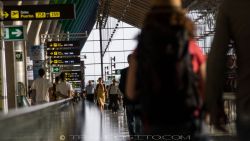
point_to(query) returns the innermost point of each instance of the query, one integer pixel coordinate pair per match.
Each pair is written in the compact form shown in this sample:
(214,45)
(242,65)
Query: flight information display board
(38,12)
(63,52)
(65,61)
(73,75)
(63,44)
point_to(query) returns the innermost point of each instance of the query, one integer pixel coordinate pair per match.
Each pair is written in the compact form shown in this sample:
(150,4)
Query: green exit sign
(14,33)
(56,69)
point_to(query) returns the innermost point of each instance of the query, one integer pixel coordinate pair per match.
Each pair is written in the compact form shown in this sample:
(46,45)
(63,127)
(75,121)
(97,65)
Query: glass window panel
(118,34)
(131,33)
(130,44)
(126,25)
(116,45)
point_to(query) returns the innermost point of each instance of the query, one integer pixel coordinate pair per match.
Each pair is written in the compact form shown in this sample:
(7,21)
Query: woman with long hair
(157,76)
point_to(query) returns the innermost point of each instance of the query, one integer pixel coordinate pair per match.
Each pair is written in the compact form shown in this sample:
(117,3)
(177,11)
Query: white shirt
(114,89)
(63,88)
(90,89)
(41,85)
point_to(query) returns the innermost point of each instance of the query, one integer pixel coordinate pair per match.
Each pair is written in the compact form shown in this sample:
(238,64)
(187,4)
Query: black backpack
(167,85)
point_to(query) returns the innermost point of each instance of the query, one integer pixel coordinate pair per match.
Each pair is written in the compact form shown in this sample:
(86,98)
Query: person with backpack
(164,72)
(100,94)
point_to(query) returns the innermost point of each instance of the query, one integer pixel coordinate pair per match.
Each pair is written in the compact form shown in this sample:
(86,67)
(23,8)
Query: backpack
(167,85)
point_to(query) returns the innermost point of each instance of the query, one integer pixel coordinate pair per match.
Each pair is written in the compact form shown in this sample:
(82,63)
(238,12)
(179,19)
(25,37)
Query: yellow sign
(14,14)
(40,15)
(54,14)
(56,45)
(6,15)
(37,12)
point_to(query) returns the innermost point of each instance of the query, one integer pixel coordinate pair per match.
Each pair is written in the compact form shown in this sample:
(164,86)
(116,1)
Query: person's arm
(130,89)
(215,69)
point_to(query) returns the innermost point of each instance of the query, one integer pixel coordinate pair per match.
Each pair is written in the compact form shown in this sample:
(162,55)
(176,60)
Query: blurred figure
(113,93)
(41,88)
(100,94)
(64,89)
(131,107)
(163,69)
(90,90)
(53,97)
(232,24)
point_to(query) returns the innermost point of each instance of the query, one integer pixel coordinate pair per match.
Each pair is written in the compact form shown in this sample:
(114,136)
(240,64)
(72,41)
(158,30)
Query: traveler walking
(90,90)
(162,72)
(64,89)
(100,94)
(41,88)
(232,24)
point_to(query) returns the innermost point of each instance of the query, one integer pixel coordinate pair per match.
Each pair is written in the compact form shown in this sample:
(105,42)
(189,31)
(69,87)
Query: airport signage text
(38,12)
(63,44)
(73,75)
(65,61)
(63,52)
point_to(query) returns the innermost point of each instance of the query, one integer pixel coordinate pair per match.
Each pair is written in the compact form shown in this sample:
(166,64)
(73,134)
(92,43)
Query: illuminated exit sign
(38,12)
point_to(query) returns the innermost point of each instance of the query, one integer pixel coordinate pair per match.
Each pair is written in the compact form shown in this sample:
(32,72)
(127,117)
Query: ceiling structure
(89,11)
(133,11)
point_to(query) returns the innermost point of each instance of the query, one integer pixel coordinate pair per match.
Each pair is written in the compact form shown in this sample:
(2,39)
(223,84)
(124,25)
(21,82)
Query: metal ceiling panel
(137,9)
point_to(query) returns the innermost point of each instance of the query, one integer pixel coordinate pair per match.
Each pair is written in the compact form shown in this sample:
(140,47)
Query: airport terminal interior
(86,40)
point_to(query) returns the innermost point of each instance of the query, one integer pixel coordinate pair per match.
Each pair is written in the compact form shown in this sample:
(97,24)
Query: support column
(101,52)
(3,81)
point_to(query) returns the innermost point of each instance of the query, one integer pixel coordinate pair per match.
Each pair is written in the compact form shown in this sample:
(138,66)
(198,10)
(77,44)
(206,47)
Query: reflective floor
(81,121)
(104,126)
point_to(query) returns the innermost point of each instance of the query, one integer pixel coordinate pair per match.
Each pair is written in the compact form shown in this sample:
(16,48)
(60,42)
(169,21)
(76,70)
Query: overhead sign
(61,44)
(65,61)
(63,52)
(76,85)
(14,33)
(56,69)
(38,12)
(73,75)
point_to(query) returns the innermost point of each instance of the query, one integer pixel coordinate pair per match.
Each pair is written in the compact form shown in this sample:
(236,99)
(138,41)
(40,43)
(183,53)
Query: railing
(47,122)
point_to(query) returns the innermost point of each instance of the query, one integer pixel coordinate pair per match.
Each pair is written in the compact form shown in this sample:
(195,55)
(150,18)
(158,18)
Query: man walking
(41,88)
(90,90)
